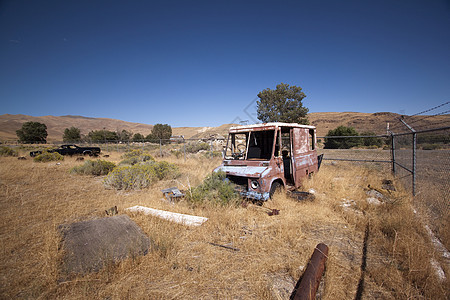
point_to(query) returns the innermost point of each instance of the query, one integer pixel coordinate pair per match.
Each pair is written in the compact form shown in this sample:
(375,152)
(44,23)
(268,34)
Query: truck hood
(245,171)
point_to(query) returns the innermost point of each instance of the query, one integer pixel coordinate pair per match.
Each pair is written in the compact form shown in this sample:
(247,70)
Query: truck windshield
(255,145)
(236,145)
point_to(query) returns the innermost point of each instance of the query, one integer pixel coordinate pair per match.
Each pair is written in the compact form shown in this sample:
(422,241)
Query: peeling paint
(246,171)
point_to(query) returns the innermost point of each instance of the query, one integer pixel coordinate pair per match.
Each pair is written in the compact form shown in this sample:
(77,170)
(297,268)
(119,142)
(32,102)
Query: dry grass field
(432,181)
(273,251)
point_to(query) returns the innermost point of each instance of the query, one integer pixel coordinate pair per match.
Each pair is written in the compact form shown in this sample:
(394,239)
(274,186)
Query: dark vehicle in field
(262,158)
(71,150)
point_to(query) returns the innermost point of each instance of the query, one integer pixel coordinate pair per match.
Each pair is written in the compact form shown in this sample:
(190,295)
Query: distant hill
(374,122)
(56,125)
(324,121)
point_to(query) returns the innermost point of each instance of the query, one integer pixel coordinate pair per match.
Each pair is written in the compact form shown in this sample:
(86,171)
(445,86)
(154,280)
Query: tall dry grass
(399,251)
(185,262)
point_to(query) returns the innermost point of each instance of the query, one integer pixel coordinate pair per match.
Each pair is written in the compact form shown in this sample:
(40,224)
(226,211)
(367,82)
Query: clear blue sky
(202,63)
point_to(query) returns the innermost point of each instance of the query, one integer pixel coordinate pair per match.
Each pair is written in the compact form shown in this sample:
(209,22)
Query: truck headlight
(254,184)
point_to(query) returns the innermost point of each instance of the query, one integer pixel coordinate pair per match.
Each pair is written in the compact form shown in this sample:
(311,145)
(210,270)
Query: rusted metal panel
(248,171)
(309,282)
(271,125)
(305,157)
(301,144)
(172,193)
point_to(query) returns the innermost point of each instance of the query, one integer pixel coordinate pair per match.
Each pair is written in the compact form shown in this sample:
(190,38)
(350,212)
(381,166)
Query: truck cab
(262,158)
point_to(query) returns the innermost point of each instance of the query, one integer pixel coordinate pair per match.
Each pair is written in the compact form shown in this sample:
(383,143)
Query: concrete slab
(184,219)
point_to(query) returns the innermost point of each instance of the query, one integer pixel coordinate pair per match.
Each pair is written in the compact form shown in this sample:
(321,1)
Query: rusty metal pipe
(309,282)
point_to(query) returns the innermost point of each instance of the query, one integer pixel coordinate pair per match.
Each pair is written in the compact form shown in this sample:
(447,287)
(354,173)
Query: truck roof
(268,126)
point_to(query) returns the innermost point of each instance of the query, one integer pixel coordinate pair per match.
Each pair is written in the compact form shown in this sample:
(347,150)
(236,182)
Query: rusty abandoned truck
(263,158)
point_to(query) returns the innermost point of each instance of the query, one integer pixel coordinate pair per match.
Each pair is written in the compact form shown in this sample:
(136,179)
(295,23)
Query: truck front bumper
(255,195)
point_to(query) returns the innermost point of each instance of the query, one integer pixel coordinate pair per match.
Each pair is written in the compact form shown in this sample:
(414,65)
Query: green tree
(342,143)
(124,136)
(284,104)
(72,134)
(138,137)
(102,136)
(161,132)
(32,132)
(371,141)
(149,138)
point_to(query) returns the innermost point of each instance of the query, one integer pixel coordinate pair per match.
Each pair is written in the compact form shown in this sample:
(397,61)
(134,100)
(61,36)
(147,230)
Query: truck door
(286,155)
(301,157)
(277,152)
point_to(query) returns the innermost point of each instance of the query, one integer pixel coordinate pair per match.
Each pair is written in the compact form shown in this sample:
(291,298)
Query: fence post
(211,149)
(414,162)
(160,148)
(413,156)
(393,152)
(184,149)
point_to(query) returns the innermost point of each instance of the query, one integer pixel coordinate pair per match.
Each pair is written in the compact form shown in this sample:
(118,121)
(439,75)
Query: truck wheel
(276,187)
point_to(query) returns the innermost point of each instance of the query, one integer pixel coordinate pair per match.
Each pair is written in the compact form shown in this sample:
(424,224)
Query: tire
(276,187)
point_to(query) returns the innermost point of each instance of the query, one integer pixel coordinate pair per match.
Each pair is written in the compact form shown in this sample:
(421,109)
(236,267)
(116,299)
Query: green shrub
(140,175)
(7,151)
(133,153)
(177,152)
(94,167)
(371,142)
(216,190)
(213,154)
(136,156)
(164,169)
(335,140)
(48,156)
(195,147)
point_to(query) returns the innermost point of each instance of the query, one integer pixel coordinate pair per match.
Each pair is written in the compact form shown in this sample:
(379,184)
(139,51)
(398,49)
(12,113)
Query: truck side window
(286,144)
(312,139)
(261,145)
(277,144)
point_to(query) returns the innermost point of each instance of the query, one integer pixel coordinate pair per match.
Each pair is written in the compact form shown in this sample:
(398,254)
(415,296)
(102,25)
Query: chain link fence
(375,150)
(419,160)
(423,166)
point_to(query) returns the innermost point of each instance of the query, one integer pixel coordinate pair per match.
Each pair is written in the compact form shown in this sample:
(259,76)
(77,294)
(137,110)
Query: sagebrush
(136,156)
(48,156)
(94,167)
(216,190)
(140,175)
(7,151)
(196,147)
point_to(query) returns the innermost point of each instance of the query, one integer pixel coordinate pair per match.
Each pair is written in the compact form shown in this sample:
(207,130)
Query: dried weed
(271,251)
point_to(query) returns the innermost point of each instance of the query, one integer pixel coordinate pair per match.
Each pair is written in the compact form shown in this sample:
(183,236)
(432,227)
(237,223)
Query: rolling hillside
(56,125)
(324,121)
